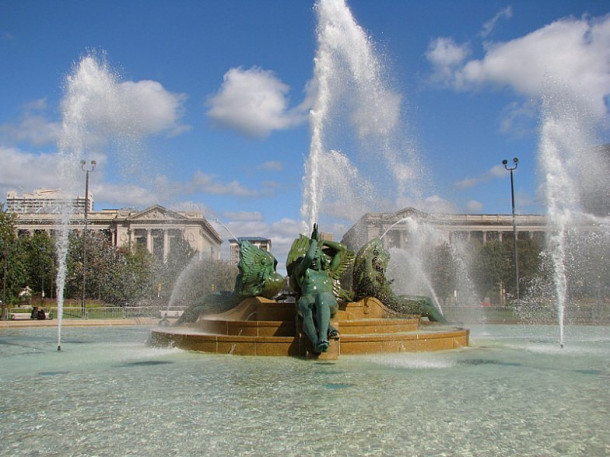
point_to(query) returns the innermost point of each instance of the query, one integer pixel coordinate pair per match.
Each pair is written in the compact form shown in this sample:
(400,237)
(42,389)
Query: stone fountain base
(258,326)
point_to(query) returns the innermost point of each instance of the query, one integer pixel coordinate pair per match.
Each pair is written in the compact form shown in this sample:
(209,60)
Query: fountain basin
(258,326)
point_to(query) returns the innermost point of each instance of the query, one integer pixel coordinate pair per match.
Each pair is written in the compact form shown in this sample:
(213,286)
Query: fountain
(96,119)
(355,124)
(90,85)
(312,316)
(510,392)
(575,174)
(348,84)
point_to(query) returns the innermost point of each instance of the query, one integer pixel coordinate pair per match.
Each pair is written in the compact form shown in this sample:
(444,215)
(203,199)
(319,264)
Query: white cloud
(437,204)
(253,102)
(152,108)
(446,56)
(574,53)
(124,195)
(519,119)
(272,165)
(39,104)
(209,184)
(474,206)
(25,171)
(496,171)
(33,127)
(490,25)
(244,215)
(190,206)
(281,232)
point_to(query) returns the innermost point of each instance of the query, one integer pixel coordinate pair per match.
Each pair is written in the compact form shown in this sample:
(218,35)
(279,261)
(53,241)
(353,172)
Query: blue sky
(217,96)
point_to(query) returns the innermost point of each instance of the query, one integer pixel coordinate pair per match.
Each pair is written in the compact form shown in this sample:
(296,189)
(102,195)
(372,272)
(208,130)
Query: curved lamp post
(512,197)
(83,164)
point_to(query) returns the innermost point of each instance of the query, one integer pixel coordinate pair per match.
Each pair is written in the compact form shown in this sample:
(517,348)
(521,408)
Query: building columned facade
(155,227)
(395,231)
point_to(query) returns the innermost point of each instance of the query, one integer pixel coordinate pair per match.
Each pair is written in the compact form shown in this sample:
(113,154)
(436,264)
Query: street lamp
(42,270)
(93,163)
(512,197)
(3,315)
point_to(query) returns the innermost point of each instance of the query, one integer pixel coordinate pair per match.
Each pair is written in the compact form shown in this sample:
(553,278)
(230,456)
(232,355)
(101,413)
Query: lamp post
(4,316)
(512,198)
(42,269)
(87,171)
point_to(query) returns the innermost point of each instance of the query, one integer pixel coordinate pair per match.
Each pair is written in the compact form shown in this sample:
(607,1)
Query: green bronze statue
(257,275)
(314,267)
(370,281)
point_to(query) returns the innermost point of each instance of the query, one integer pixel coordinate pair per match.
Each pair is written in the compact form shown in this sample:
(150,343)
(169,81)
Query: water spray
(404,219)
(227,229)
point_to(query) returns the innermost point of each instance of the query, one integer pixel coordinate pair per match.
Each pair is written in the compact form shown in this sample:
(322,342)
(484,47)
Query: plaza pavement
(79,322)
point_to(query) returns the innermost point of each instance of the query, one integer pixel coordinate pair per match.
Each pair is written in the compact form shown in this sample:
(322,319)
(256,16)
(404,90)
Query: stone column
(165,244)
(149,244)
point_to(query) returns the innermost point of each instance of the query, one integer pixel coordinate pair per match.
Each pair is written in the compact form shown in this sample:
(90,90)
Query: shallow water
(513,392)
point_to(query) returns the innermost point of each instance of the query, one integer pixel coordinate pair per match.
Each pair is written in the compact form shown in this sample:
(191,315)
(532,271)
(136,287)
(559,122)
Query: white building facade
(155,227)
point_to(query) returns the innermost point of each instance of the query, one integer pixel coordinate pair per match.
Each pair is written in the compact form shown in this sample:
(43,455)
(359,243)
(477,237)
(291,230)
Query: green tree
(442,271)
(7,241)
(200,278)
(114,275)
(168,272)
(491,267)
(588,264)
(132,279)
(38,253)
(74,266)
(529,251)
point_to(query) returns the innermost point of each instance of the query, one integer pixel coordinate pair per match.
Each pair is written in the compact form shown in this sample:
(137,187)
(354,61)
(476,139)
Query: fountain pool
(512,392)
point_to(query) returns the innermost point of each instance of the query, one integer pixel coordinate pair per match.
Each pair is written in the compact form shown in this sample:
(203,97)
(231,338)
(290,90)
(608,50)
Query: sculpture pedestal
(306,348)
(258,326)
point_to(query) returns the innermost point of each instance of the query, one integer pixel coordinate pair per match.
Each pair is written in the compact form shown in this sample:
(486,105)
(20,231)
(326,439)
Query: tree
(168,272)
(114,275)
(491,269)
(38,253)
(529,251)
(493,266)
(588,264)
(7,239)
(132,279)
(442,271)
(200,278)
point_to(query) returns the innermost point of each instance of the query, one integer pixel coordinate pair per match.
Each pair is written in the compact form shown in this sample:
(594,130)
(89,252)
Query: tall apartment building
(45,201)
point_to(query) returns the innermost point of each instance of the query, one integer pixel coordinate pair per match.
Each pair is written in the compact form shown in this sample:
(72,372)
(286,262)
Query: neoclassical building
(484,227)
(155,227)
